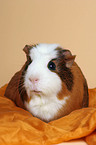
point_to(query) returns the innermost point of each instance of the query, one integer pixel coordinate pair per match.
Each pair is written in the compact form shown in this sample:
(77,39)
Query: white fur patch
(45,104)
(45,108)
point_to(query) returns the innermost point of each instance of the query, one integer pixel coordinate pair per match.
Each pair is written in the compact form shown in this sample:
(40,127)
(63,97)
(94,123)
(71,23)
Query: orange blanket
(19,127)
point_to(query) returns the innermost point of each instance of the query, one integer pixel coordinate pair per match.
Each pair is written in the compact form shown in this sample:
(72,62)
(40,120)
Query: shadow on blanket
(19,127)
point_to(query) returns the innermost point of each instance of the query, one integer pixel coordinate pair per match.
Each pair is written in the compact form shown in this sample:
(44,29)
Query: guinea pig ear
(69,58)
(69,61)
(26,49)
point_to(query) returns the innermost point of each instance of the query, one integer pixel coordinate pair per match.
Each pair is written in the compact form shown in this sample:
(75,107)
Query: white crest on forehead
(43,49)
(46,48)
(44,52)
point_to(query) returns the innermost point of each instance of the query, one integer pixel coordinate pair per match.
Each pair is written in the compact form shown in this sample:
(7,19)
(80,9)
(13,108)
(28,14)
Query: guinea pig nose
(33,80)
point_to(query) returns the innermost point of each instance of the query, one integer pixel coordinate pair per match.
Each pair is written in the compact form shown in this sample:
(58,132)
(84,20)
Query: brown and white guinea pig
(50,85)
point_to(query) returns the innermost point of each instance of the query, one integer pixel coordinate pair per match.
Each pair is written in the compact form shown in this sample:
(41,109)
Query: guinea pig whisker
(22,91)
(20,87)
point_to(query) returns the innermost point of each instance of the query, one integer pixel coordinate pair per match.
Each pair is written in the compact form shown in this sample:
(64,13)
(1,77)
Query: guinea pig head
(47,70)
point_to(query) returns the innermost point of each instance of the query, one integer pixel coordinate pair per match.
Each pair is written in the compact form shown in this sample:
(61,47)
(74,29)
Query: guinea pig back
(50,85)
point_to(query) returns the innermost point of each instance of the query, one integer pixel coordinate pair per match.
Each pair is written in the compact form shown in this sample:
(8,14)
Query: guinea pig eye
(51,66)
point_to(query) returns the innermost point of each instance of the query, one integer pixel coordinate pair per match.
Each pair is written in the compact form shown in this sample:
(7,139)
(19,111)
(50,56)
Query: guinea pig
(50,85)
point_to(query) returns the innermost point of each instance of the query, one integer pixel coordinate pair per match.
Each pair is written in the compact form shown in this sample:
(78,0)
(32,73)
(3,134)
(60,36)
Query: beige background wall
(71,23)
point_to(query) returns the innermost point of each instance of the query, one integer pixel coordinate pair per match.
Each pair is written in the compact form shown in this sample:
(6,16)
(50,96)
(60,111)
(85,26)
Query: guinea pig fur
(50,85)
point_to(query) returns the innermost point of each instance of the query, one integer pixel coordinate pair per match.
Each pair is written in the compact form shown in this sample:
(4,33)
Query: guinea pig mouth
(35,91)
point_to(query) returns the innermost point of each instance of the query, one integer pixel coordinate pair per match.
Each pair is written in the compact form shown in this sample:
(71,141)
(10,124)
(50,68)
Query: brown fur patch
(86,95)
(76,96)
(63,72)
(12,91)
(63,93)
